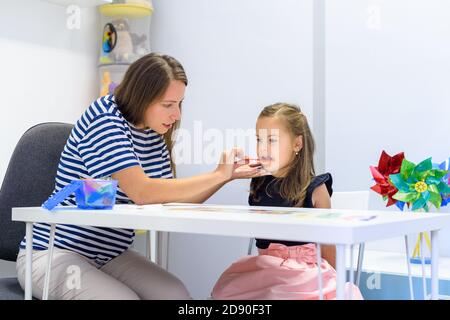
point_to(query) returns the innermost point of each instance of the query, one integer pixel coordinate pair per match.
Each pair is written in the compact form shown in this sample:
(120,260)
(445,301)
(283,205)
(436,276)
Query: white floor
(374,261)
(7,269)
(395,263)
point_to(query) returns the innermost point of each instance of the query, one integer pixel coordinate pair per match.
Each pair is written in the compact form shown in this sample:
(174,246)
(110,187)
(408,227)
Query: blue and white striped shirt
(102,142)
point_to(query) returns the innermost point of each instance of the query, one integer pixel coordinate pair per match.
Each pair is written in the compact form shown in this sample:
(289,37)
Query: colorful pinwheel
(419,185)
(445,166)
(387,165)
(401,181)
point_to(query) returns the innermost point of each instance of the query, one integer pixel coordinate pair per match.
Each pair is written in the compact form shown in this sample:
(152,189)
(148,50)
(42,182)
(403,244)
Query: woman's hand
(234,165)
(248,171)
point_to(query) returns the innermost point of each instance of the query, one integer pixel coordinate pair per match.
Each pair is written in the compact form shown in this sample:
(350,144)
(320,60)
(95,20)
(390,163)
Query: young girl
(284,269)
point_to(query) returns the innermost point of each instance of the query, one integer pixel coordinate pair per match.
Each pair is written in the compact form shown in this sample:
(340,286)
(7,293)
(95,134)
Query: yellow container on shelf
(131,10)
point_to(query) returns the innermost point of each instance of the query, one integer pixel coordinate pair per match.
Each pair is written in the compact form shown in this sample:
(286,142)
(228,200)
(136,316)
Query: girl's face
(161,115)
(276,146)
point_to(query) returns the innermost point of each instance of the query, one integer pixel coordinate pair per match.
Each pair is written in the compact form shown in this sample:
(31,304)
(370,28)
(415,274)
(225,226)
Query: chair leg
(148,245)
(49,262)
(319,269)
(360,262)
(410,280)
(422,260)
(250,246)
(352,272)
(154,246)
(29,261)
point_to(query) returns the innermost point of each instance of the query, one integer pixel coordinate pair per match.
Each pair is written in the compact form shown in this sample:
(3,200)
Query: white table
(306,225)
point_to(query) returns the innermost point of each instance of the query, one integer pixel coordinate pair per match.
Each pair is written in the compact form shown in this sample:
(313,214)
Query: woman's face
(276,146)
(161,115)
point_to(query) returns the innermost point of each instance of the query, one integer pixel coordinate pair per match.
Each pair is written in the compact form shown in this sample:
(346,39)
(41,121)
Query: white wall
(47,72)
(387,71)
(239,56)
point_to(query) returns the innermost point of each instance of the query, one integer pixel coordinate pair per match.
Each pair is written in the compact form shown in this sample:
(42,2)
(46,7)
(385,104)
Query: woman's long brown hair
(144,83)
(300,171)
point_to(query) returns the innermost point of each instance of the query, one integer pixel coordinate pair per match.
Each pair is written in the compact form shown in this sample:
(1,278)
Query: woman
(128,137)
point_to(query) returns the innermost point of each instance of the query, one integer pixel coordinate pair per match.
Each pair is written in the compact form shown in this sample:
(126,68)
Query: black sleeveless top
(269,195)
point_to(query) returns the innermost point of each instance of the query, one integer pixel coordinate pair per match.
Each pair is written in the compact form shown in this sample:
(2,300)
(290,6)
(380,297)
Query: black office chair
(29,180)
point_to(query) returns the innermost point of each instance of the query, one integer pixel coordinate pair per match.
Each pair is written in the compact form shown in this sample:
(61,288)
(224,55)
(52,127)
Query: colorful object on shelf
(387,165)
(108,85)
(106,81)
(109,38)
(89,194)
(112,86)
(420,185)
(111,75)
(124,46)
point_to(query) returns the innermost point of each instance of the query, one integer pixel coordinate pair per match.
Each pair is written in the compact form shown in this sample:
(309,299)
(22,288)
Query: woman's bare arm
(144,190)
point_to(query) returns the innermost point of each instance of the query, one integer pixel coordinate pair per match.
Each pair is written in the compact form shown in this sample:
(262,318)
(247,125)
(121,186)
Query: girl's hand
(242,169)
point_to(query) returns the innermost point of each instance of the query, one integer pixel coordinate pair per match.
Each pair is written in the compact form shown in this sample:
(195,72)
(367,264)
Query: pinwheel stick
(416,252)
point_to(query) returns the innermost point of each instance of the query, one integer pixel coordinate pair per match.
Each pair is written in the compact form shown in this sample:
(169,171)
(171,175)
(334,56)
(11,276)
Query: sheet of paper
(299,215)
(212,208)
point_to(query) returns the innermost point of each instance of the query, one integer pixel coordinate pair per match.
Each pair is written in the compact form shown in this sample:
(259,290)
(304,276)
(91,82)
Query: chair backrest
(29,179)
(350,200)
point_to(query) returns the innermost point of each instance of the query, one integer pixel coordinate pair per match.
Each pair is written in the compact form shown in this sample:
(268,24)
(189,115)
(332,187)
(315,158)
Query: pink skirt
(280,272)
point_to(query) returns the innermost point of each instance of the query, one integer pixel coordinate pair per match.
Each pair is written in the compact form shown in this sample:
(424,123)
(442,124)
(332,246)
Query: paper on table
(139,207)
(335,216)
(212,208)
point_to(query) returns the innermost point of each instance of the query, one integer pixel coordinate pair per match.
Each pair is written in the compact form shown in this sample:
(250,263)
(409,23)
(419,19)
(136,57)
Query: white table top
(333,226)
